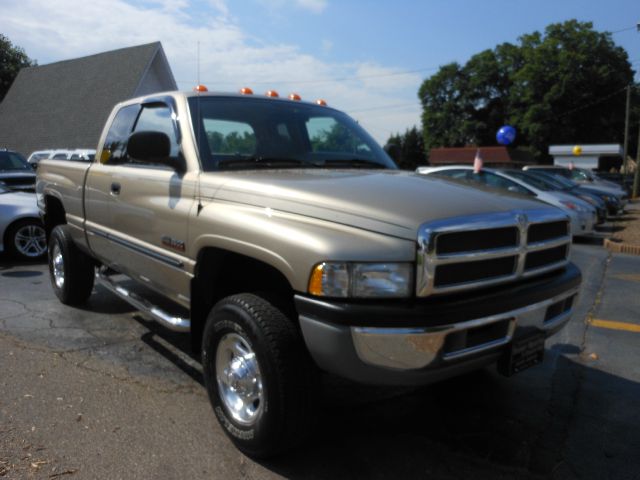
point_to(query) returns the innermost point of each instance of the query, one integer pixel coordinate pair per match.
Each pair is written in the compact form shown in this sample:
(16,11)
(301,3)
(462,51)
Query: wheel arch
(220,273)
(54,214)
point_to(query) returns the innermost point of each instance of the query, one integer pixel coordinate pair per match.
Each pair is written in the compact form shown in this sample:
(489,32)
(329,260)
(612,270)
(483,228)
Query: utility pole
(626,132)
(636,176)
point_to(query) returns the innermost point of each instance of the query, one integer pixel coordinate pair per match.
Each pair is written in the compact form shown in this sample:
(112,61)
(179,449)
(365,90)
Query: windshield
(562,182)
(534,181)
(12,161)
(251,133)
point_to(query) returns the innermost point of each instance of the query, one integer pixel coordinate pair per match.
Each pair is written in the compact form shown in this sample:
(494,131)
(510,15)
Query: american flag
(477,162)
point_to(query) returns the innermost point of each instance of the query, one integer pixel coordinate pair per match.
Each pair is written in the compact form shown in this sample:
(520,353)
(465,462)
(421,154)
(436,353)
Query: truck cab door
(98,194)
(148,208)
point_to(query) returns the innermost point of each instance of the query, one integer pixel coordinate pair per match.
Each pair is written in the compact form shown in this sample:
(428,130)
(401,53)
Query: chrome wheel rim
(57,264)
(239,379)
(30,241)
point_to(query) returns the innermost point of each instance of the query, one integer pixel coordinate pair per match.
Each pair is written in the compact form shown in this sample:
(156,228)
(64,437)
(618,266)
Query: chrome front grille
(470,252)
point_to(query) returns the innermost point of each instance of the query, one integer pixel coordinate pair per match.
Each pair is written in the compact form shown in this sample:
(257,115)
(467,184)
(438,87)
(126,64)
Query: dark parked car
(612,202)
(15,173)
(586,178)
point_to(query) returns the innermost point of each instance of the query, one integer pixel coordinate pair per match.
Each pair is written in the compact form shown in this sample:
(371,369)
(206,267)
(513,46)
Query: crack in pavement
(131,380)
(185,389)
(548,449)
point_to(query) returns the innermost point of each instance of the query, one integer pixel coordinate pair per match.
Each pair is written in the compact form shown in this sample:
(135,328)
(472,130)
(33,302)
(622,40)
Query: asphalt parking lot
(100,392)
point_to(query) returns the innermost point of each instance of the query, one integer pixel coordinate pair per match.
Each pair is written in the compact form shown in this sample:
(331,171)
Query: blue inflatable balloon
(506,135)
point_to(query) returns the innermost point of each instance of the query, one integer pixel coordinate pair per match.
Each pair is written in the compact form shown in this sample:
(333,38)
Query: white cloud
(229,58)
(219,5)
(327,46)
(315,6)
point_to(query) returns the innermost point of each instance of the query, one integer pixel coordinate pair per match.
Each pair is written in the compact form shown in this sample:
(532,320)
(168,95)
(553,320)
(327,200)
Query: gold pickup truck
(290,244)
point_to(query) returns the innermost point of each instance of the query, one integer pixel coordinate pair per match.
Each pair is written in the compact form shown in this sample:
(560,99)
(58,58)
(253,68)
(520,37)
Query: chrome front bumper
(419,348)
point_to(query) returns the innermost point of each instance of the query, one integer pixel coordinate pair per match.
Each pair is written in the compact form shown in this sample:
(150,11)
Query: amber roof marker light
(200,88)
(321,102)
(246,91)
(295,96)
(272,94)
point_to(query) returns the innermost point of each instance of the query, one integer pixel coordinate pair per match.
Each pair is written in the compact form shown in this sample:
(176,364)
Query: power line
(384,107)
(623,30)
(333,80)
(595,102)
(353,77)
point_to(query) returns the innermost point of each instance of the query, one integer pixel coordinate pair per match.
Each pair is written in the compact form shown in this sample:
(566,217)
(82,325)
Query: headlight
(361,280)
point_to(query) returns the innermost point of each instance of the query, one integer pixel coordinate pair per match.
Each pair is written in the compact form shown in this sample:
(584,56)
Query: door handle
(115,188)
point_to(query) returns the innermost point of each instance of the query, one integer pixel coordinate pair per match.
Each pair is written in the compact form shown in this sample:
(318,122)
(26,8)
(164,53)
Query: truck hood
(391,202)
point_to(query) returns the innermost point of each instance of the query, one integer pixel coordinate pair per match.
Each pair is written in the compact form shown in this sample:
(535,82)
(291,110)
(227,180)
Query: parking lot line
(632,277)
(612,325)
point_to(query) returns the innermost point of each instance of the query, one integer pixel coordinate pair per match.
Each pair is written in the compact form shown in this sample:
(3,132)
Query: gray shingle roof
(65,104)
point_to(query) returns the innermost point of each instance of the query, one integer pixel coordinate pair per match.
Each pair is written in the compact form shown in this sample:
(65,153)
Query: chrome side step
(172,322)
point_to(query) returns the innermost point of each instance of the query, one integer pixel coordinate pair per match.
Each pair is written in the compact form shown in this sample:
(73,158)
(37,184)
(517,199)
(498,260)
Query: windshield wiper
(353,163)
(262,162)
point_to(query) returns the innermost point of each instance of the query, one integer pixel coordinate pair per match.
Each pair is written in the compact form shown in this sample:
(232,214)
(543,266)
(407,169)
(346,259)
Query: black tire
(26,239)
(72,271)
(284,414)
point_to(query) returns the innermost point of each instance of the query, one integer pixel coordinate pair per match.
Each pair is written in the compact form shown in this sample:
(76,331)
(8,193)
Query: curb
(619,247)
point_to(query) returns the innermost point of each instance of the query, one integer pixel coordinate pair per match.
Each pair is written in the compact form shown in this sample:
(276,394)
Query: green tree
(410,152)
(12,59)
(233,143)
(337,138)
(563,86)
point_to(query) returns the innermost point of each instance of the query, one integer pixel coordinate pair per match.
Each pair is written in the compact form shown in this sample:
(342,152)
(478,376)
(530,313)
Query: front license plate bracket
(522,353)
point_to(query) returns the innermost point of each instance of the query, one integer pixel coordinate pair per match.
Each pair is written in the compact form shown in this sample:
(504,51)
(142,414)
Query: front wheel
(71,270)
(260,379)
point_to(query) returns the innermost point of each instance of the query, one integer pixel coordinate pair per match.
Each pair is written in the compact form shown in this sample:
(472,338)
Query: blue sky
(367,58)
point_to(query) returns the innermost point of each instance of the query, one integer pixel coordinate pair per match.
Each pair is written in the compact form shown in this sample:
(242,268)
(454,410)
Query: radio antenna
(197,126)
(198,61)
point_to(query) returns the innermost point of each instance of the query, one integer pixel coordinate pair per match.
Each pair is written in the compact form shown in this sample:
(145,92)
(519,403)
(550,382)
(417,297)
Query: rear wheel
(260,379)
(71,270)
(26,239)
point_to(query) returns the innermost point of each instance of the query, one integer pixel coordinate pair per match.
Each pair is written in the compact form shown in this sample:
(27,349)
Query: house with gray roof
(65,104)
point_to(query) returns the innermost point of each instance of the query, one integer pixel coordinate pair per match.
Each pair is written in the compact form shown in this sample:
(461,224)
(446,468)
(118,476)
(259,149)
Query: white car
(21,232)
(78,154)
(583,215)
(38,155)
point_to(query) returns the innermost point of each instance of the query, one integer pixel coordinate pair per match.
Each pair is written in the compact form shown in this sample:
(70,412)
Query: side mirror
(152,147)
